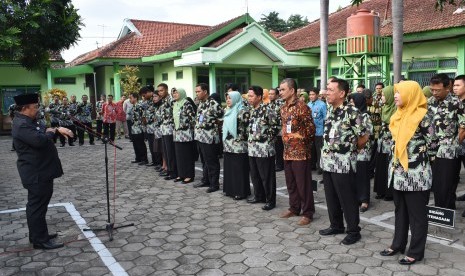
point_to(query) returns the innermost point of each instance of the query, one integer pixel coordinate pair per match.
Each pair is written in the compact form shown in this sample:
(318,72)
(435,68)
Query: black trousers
(80,132)
(381,175)
(99,127)
(150,140)
(130,123)
(410,211)
(185,163)
(109,130)
(169,154)
(298,175)
(279,148)
(341,199)
(362,179)
(140,149)
(36,211)
(70,140)
(211,164)
(263,176)
(445,181)
(316,151)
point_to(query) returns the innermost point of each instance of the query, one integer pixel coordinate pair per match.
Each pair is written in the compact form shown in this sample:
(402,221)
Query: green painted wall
(187,82)
(432,49)
(261,77)
(249,55)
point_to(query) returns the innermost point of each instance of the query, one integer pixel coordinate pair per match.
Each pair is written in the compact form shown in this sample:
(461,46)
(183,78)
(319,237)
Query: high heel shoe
(177,179)
(187,181)
(390,252)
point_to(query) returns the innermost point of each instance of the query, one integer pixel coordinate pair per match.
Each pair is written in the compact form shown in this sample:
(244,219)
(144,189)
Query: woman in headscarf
(236,163)
(303,96)
(183,136)
(381,187)
(160,164)
(409,172)
(362,174)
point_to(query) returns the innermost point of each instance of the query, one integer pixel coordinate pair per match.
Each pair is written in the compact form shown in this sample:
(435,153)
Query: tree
(296,21)
(272,22)
(31,29)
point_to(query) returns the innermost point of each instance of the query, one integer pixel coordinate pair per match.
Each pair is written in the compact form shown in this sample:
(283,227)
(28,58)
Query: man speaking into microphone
(38,165)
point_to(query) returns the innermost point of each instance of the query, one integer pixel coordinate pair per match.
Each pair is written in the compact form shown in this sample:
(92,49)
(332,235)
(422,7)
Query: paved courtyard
(181,230)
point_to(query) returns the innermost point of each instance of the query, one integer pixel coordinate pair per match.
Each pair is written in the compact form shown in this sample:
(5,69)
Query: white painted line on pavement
(384,216)
(104,254)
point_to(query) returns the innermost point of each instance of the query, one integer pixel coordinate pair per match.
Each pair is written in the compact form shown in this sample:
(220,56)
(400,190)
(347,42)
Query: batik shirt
(54,117)
(276,105)
(343,126)
(109,113)
(296,119)
(65,119)
(166,112)
(84,112)
(185,131)
(206,130)
(375,114)
(461,150)
(157,122)
(365,153)
(384,139)
(99,110)
(148,113)
(446,118)
(73,108)
(419,175)
(238,145)
(40,117)
(264,126)
(138,112)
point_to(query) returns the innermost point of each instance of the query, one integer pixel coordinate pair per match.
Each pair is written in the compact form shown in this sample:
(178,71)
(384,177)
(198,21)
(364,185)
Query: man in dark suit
(38,164)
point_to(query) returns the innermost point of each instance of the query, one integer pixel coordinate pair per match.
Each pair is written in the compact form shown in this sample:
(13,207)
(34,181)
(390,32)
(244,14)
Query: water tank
(363,22)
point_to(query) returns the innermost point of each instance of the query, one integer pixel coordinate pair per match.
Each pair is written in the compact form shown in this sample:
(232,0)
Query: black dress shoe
(254,200)
(406,261)
(62,145)
(212,189)
(388,198)
(461,198)
(268,206)
(135,161)
(331,231)
(169,177)
(379,196)
(143,163)
(48,245)
(71,145)
(177,179)
(351,239)
(164,173)
(50,237)
(390,252)
(150,164)
(201,184)
(238,197)
(157,167)
(91,143)
(188,181)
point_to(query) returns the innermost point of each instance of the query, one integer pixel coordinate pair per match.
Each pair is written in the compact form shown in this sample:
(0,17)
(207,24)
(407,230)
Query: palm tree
(397,37)
(324,13)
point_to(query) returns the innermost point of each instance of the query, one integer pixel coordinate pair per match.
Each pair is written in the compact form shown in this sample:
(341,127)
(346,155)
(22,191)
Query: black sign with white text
(441,216)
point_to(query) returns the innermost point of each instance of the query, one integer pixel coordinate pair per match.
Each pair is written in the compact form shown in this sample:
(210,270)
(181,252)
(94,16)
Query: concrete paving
(181,230)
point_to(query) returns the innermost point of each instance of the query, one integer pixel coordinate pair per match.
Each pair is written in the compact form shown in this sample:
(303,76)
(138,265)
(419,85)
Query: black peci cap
(25,99)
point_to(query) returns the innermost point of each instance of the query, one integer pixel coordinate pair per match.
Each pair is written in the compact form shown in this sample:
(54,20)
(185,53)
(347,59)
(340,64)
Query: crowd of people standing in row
(409,143)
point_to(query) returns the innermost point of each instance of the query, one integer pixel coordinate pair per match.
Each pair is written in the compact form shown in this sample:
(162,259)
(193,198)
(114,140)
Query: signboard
(441,216)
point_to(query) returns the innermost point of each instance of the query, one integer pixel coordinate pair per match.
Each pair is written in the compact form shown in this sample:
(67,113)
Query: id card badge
(315,114)
(201,118)
(288,127)
(254,127)
(332,133)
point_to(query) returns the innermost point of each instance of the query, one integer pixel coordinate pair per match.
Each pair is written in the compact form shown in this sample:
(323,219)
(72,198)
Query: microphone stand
(110,226)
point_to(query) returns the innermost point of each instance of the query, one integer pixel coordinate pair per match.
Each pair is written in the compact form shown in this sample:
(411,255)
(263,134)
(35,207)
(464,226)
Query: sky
(103,19)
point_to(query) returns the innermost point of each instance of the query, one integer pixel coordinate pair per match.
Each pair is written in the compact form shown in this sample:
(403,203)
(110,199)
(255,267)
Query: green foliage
(272,22)
(129,80)
(296,21)
(31,29)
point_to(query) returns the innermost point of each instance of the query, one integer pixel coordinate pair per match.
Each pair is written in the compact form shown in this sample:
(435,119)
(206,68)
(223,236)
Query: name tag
(201,118)
(288,128)
(315,114)
(254,127)
(332,133)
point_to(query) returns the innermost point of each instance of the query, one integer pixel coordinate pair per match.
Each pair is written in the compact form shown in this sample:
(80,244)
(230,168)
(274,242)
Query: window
(179,75)
(64,80)
(164,76)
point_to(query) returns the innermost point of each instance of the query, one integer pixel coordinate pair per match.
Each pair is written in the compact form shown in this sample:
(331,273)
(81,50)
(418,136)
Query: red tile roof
(419,16)
(157,38)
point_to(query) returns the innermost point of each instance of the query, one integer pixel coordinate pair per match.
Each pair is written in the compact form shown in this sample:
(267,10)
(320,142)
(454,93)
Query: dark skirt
(362,179)
(381,175)
(157,145)
(236,174)
(185,159)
